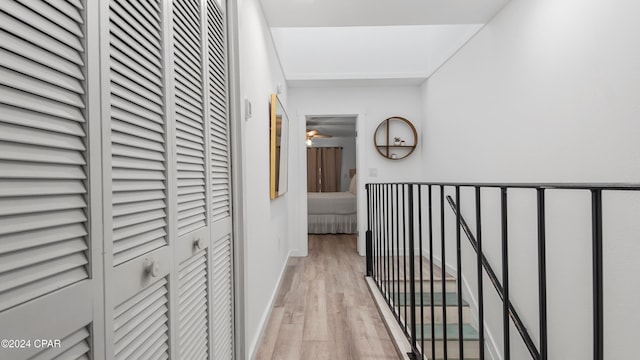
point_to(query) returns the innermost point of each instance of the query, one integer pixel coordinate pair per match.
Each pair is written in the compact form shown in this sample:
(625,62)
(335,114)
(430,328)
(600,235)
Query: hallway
(324,309)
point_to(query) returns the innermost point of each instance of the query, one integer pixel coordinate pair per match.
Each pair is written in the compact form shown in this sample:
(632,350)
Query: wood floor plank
(324,309)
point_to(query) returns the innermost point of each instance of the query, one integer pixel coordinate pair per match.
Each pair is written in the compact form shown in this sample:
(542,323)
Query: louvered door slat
(141,324)
(137,130)
(30,153)
(39,37)
(139,14)
(24,101)
(134,61)
(132,85)
(39,55)
(59,18)
(190,132)
(43,236)
(76,347)
(193,314)
(68,9)
(24,187)
(137,74)
(34,69)
(36,20)
(127,28)
(16,116)
(138,185)
(25,135)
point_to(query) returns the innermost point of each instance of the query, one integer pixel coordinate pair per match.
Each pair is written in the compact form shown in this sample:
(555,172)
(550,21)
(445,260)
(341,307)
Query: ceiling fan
(315,134)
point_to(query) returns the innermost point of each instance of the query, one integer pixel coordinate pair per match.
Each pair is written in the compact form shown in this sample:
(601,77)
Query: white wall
(548,92)
(266,226)
(371,105)
(348,145)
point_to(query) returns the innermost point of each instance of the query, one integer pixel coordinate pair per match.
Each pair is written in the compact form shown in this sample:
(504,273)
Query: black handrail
(393,219)
(496,283)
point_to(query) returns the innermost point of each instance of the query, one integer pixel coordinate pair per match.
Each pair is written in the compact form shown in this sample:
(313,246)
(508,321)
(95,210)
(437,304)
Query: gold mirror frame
(279,146)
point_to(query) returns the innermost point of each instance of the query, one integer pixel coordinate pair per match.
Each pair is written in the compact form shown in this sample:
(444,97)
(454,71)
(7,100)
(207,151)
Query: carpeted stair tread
(402,299)
(468,332)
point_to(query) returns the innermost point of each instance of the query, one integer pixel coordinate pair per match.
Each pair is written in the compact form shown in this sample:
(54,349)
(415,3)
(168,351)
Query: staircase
(445,306)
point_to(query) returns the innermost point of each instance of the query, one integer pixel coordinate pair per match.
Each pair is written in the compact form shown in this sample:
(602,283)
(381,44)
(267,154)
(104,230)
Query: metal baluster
(420,255)
(389,225)
(459,277)
(598,334)
(542,273)
(444,277)
(505,274)
(397,235)
(404,254)
(479,272)
(431,287)
(369,249)
(412,277)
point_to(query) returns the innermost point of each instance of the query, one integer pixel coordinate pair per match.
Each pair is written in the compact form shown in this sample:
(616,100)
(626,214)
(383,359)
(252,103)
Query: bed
(333,212)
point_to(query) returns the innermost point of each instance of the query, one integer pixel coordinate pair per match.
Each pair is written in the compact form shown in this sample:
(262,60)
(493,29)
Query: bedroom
(331,169)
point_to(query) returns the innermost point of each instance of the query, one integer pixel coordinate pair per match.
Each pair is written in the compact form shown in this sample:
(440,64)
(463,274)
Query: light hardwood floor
(324,309)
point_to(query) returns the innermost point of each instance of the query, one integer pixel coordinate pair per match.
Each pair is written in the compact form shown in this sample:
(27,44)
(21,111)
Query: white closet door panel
(218,119)
(189,115)
(193,313)
(138,134)
(43,205)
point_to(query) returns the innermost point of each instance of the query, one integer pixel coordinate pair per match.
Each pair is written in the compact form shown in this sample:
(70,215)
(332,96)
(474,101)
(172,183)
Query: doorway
(331,174)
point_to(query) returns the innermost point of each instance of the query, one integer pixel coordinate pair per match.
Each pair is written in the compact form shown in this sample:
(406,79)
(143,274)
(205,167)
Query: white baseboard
(253,349)
(298,253)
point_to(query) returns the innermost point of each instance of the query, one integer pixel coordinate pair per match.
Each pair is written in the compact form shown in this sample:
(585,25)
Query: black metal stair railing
(398,236)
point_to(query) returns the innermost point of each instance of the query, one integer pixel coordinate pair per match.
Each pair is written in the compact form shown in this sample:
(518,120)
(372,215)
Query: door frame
(301,243)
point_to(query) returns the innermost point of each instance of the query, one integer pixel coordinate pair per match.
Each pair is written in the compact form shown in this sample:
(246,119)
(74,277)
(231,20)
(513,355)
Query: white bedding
(331,203)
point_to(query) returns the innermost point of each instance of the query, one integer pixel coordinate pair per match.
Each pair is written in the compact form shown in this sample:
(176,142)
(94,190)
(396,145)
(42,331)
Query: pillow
(353,186)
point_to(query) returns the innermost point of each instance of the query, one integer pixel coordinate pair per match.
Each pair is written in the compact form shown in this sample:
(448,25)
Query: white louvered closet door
(46,267)
(219,152)
(140,248)
(191,163)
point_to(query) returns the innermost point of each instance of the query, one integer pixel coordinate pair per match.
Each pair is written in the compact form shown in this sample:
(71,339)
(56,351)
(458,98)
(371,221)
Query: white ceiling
(409,53)
(335,126)
(333,13)
(347,42)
